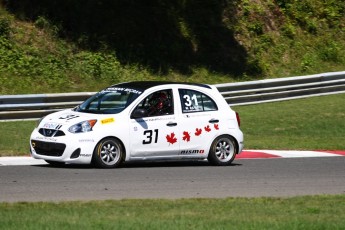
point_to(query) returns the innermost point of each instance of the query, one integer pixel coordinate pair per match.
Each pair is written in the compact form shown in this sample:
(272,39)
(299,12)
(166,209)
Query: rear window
(194,101)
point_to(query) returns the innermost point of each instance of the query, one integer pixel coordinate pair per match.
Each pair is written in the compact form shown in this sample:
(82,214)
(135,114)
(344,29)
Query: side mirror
(139,113)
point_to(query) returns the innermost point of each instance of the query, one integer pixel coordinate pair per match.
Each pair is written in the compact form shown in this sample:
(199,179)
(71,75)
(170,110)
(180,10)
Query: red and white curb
(246,154)
(255,154)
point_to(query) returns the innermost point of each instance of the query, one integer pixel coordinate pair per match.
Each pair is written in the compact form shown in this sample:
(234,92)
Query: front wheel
(108,153)
(223,151)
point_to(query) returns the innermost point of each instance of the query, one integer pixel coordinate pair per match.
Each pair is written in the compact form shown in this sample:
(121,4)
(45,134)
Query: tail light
(238,119)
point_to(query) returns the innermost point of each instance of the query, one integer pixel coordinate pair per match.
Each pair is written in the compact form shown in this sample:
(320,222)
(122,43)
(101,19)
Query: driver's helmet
(158,101)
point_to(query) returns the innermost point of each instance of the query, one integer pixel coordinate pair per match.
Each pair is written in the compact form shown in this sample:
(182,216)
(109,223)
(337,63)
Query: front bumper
(68,148)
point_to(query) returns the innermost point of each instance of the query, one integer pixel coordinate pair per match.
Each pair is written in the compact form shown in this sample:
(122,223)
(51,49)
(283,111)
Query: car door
(199,122)
(155,134)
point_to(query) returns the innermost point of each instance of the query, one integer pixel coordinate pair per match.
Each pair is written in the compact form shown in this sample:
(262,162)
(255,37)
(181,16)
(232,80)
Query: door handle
(213,121)
(170,124)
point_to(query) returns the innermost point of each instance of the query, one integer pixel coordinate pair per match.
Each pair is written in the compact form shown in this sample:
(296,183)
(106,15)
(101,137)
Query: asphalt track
(252,174)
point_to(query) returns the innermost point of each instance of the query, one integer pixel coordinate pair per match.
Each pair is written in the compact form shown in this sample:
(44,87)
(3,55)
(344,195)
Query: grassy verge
(308,124)
(14,138)
(312,212)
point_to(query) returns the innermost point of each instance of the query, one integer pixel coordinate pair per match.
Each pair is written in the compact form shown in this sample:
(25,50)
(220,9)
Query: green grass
(311,212)
(15,136)
(315,123)
(307,124)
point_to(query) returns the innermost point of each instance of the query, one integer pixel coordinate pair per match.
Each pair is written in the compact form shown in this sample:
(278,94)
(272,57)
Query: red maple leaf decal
(216,126)
(171,138)
(186,136)
(198,132)
(207,128)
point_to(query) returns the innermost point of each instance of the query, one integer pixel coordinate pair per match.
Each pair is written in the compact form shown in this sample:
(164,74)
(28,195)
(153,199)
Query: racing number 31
(150,135)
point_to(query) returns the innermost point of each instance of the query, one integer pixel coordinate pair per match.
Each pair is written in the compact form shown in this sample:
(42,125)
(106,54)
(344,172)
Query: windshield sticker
(112,89)
(107,121)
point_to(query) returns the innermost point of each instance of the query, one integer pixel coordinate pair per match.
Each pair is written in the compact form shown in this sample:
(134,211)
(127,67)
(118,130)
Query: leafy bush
(5,28)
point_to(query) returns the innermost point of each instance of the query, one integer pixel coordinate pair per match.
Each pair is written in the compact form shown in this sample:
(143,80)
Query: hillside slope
(58,46)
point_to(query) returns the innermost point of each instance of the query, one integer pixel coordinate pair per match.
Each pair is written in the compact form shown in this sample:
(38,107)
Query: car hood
(65,118)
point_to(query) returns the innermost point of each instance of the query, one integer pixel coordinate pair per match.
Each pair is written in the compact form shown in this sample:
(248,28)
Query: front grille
(48,148)
(51,132)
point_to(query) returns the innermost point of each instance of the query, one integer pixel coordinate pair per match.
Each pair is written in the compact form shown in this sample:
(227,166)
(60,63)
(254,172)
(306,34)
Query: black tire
(55,163)
(223,151)
(109,153)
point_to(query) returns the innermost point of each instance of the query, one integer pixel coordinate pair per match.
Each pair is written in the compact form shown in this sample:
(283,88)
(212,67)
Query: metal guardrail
(271,90)
(32,106)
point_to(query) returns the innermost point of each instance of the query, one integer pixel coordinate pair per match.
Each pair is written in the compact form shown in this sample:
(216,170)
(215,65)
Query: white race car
(144,120)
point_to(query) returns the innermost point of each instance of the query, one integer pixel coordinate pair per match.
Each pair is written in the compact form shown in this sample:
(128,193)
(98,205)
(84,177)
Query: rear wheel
(223,151)
(108,153)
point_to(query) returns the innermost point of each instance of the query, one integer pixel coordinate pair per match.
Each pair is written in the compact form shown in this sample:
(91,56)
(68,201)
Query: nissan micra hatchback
(141,121)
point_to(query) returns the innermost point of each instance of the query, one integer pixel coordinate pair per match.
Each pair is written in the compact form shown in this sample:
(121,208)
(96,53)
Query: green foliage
(124,40)
(44,24)
(308,62)
(5,28)
(330,51)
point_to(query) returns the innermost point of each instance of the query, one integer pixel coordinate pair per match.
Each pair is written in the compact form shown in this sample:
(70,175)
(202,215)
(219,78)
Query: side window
(158,103)
(194,101)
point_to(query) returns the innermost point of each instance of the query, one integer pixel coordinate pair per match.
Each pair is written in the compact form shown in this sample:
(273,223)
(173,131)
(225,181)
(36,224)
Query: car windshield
(109,101)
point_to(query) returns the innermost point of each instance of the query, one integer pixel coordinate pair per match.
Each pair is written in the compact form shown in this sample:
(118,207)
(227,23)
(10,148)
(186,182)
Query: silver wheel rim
(110,153)
(224,150)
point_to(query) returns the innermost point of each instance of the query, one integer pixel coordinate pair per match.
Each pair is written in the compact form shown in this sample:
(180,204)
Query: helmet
(159,104)
(158,101)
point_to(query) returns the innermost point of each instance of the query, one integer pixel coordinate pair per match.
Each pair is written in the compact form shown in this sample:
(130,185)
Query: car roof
(143,85)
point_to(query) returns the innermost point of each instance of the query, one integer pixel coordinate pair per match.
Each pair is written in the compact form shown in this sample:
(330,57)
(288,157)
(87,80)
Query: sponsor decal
(46,138)
(163,118)
(87,140)
(192,152)
(198,132)
(186,136)
(107,120)
(119,89)
(197,115)
(171,138)
(52,126)
(207,128)
(68,117)
(85,155)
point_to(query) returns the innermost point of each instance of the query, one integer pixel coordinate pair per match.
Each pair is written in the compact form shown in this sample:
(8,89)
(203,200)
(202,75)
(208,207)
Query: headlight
(82,127)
